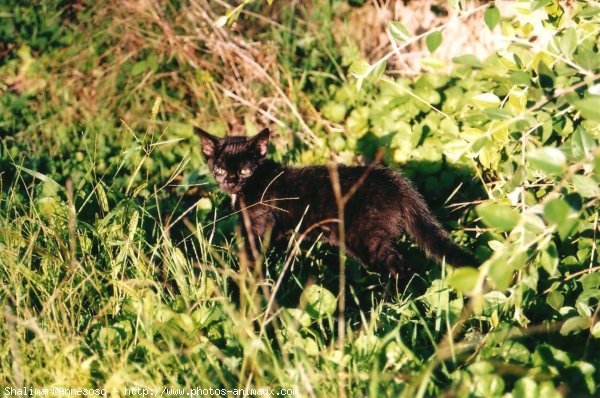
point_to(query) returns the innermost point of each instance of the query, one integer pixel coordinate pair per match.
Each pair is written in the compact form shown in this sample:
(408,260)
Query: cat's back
(361,179)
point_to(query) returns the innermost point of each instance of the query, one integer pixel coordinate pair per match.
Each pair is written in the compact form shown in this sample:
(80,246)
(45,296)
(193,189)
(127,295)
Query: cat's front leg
(256,228)
(250,249)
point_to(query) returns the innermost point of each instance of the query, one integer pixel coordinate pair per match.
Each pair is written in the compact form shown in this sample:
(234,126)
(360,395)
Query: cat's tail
(437,243)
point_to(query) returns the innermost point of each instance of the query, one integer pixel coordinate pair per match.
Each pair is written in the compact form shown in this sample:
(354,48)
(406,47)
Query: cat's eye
(218,171)
(245,171)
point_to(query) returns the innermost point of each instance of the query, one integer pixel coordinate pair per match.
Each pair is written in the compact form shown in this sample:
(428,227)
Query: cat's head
(233,160)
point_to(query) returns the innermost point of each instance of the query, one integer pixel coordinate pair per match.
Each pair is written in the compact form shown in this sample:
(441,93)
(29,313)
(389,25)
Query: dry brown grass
(227,72)
(230,74)
(221,71)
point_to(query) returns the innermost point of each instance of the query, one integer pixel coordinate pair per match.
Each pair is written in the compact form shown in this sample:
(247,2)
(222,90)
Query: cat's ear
(207,141)
(261,141)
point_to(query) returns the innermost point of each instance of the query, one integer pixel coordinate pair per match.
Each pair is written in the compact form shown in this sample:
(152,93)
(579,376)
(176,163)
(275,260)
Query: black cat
(276,199)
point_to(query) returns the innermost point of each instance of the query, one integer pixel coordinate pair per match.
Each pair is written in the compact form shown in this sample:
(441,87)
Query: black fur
(276,199)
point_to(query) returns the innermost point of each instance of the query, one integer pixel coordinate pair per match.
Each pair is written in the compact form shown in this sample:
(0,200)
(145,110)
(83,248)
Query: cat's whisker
(278,199)
(269,184)
(249,207)
(265,202)
(274,207)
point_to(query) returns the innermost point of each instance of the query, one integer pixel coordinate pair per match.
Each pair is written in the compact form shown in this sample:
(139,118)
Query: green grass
(119,257)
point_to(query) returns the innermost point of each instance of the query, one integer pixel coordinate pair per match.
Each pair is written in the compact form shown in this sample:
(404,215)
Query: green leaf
(378,70)
(464,279)
(48,206)
(589,11)
(334,111)
(568,41)
(399,31)
(586,186)
(583,308)
(469,60)
(487,100)
(501,272)
(549,259)
(491,17)
(319,301)
(437,294)
(555,11)
(583,143)
(584,373)
(596,330)
(537,4)
(307,344)
(550,160)
(525,388)
(589,108)
(546,76)
(42,177)
(555,300)
(520,78)
(574,325)
(138,68)
(586,58)
(558,212)
(481,368)
(299,316)
(515,352)
(502,217)
(366,345)
(433,41)
(50,188)
(509,60)
(152,62)
(590,281)
(497,114)
(360,68)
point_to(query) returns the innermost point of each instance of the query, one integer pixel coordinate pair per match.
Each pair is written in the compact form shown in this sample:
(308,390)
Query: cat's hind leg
(381,253)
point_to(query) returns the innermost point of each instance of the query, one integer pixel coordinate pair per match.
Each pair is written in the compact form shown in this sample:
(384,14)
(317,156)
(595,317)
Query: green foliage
(434,40)
(118,263)
(491,17)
